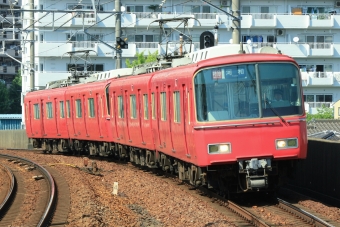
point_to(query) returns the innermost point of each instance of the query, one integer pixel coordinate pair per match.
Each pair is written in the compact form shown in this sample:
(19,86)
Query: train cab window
(62,110)
(153,104)
(177,107)
(246,91)
(49,110)
(68,109)
(133,110)
(107,94)
(120,107)
(146,106)
(36,111)
(91,108)
(163,106)
(78,108)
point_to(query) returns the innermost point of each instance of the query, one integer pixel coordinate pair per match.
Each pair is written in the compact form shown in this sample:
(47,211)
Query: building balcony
(16,53)
(9,70)
(318,79)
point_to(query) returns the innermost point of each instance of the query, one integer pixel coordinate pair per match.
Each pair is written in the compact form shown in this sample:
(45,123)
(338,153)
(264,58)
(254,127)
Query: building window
(36,111)
(68,108)
(78,108)
(177,107)
(62,111)
(120,107)
(133,111)
(163,106)
(146,106)
(91,108)
(132,9)
(49,110)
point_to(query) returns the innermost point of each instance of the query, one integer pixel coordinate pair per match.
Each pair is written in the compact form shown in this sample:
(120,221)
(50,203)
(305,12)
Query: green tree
(15,94)
(5,102)
(141,59)
(322,113)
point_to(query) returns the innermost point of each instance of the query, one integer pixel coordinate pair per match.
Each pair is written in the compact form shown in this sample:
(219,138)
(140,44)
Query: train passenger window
(62,111)
(49,110)
(133,111)
(177,107)
(68,108)
(146,107)
(91,107)
(153,110)
(120,107)
(78,108)
(36,111)
(163,106)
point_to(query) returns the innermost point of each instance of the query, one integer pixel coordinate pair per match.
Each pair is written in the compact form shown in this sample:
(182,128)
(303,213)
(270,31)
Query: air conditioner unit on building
(337,4)
(280,32)
(225,3)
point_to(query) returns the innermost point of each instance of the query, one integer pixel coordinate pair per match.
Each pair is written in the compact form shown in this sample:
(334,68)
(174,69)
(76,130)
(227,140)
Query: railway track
(23,190)
(294,215)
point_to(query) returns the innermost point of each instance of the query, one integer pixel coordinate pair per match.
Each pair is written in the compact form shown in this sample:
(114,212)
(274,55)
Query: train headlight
(219,148)
(286,143)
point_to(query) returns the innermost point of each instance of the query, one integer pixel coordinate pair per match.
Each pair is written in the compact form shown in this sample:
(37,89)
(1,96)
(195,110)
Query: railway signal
(121,43)
(206,40)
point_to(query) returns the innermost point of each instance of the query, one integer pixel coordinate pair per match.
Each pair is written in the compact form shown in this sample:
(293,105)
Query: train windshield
(247,91)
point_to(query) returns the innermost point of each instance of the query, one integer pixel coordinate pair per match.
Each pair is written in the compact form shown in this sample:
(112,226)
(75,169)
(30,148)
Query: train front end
(250,122)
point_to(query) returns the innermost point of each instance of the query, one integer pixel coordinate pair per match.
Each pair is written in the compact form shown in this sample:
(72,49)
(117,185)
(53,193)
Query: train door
(42,117)
(170,119)
(140,113)
(84,108)
(98,114)
(28,115)
(127,107)
(108,99)
(156,115)
(73,115)
(178,121)
(115,115)
(56,115)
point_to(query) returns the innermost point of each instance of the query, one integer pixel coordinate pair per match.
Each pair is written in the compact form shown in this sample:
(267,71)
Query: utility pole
(31,40)
(118,33)
(235,8)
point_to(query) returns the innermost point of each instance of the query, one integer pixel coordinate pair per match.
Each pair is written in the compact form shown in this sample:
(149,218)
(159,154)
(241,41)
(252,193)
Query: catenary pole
(31,40)
(118,31)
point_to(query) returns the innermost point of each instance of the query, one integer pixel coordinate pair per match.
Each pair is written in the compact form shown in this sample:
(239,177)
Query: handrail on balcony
(319,104)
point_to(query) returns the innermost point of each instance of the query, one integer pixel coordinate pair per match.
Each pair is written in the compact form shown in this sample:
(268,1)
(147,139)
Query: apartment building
(308,31)
(10,40)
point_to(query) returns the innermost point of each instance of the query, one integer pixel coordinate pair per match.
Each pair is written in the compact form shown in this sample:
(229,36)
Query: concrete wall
(14,139)
(318,175)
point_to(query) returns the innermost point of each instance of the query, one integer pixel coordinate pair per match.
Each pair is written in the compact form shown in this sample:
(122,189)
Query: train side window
(146,107)
(78,108)
(62,111)
(120,107)
(177,107)
(108,99)
(133,111)
(163,106)
(49,110)
(36,111)
(68,108)
(91,108)
(153,106)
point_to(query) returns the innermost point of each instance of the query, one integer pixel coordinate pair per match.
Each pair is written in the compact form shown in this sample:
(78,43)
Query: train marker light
(219,148)
(286,143)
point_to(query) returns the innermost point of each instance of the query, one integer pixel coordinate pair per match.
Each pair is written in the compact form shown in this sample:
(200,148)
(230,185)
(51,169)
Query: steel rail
(10,192)
(45,219)
(310,218)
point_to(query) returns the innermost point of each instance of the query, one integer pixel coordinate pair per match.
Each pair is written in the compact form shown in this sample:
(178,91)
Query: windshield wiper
(274,111)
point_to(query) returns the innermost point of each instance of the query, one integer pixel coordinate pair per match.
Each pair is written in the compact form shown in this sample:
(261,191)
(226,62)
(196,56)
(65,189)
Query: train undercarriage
(251,175)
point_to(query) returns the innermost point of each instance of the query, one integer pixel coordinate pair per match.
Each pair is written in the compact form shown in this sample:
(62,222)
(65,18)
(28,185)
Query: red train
(215,122)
